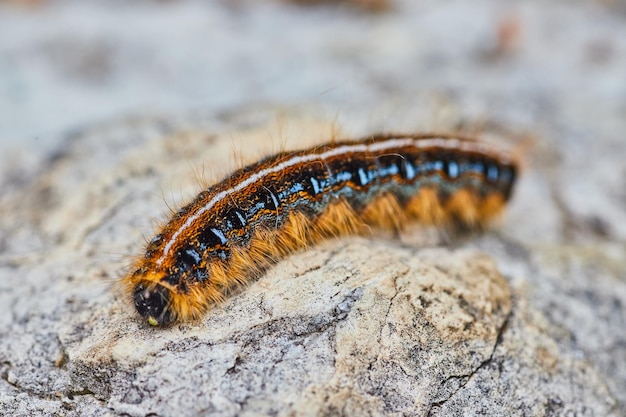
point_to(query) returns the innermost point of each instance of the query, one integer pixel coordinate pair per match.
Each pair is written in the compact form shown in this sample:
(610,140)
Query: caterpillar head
(153,302)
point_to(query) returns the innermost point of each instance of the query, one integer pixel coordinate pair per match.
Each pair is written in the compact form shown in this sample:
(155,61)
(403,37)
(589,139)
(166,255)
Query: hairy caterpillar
(234,230)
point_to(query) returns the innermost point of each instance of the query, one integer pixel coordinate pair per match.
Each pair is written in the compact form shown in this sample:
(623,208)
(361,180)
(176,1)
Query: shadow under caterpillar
(234,230)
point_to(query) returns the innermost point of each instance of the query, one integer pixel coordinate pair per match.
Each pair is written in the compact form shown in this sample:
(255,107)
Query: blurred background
(552,71)
(65,64)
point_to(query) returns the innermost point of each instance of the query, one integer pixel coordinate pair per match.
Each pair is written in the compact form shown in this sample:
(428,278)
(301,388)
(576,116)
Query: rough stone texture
(527,319)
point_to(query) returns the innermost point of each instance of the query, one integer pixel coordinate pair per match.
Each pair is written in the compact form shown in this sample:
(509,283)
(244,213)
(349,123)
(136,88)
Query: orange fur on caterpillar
(234,230)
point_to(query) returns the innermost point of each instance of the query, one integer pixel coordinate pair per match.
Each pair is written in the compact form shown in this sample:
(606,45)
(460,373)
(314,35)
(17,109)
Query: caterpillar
(234,230)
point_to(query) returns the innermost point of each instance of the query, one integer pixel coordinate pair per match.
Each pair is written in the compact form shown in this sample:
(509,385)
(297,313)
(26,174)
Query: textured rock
(392,337)
(355,326)
(526,319)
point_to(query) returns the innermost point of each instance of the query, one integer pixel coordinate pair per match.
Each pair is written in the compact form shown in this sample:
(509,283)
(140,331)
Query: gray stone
(525,319)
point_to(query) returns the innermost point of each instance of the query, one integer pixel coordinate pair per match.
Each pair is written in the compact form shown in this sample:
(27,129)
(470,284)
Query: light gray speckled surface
(106,108)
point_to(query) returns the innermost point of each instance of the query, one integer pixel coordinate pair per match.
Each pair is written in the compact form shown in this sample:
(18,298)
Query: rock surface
(527,319)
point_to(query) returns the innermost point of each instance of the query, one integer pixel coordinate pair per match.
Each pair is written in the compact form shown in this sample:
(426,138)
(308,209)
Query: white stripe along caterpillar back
(237,228)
